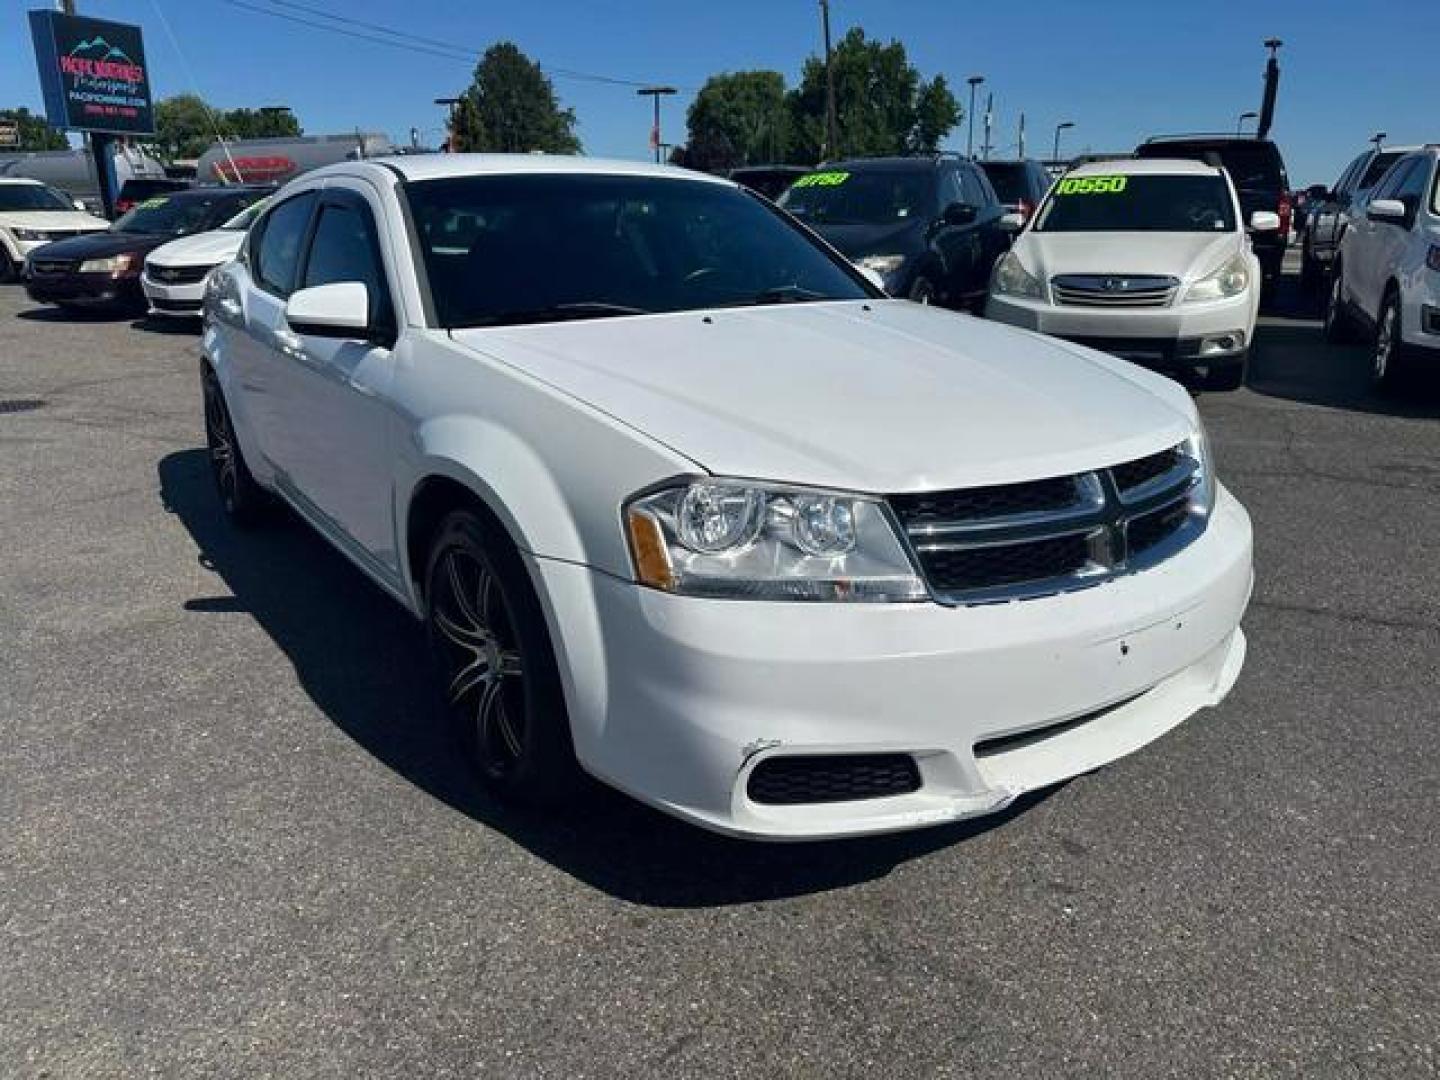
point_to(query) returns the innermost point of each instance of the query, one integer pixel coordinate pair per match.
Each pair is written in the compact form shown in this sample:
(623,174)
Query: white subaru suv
(688,504)
(1148,260)
(1387,273)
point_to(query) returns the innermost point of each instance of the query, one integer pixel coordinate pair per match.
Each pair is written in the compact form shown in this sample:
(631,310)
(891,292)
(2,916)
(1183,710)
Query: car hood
(52,220)
(100,245)
(1186,256)
(202,249)
(879,396)
(854,239)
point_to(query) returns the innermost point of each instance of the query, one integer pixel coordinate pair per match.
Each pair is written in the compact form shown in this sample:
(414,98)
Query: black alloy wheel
(497,671)
(243,499)
(1387,361)
(1338,328)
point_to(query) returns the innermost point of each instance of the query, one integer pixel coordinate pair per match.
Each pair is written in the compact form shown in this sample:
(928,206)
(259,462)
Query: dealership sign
(92,74)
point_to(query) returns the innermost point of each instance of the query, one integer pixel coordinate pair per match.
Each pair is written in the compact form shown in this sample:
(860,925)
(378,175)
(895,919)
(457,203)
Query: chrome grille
(1114,290)
(1019,541)
(177,275)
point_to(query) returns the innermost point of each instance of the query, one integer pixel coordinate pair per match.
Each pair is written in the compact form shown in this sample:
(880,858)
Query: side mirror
(1265,221)
(1391,210)
(958,213)
(1012,221)
(341,310)
(1319,192)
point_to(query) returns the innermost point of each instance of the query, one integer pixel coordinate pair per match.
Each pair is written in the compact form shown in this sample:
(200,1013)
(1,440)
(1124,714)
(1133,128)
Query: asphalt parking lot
(236,840)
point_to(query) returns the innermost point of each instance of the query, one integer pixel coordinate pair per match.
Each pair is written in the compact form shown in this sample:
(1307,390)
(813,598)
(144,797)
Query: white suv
(33,214)
(1387,274)
(687,503)
(1148,260)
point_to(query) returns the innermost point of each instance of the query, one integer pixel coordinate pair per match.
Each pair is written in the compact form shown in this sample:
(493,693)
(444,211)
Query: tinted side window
(951,190)
(976,190)
(1412,189)
(1347,178)
(345,248)
(276,256)
(1392,180)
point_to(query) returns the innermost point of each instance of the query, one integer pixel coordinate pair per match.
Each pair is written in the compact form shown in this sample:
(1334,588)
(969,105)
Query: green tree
(511,107)
(183,127)
(35,132)
(882,105)
(259,124)
(738,118)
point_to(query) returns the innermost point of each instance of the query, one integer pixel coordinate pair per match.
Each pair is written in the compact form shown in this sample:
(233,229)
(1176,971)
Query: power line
(401,39)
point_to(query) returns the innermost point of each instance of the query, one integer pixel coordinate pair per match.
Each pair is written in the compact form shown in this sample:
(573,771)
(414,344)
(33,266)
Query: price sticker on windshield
(822,179)
(1092,185)
(152,204)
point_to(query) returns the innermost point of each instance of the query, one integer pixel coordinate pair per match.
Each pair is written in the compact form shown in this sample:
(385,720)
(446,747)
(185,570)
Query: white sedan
(686,503)
(1148,260)
(175,273)
(32,215)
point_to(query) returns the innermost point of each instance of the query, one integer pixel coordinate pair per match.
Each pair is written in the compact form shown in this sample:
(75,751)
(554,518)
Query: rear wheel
(498,675)
(1338,325)
(244,500)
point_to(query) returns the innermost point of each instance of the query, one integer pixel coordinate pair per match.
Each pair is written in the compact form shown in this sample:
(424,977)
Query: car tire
(1389,355)
(8,271)
(496,670)
(1311,273)
(245,502)
(1230,376)
(1339,327)
(922,291)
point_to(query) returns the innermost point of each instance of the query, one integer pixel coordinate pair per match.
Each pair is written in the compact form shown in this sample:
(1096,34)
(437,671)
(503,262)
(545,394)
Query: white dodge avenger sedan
(687,504)
(1148,260)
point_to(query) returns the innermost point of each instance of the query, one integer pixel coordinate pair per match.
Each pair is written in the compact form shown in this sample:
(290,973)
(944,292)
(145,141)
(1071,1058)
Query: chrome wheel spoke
(474,639)
(506,727)
(459,593)
(470,676)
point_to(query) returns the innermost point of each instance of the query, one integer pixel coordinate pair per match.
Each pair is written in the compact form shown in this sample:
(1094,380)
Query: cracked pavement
(236,841)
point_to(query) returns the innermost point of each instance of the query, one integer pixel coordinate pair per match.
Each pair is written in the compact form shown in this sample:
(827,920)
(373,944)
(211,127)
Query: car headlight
(1197,446)
(30,235)
(735,539)
(883,265)
(1231,279)
(1012,279)
(115,265)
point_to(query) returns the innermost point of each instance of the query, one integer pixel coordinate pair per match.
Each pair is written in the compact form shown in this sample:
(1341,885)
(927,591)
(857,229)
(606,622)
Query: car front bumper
(1182,337)
(99,290)
(174,301)
(678,700)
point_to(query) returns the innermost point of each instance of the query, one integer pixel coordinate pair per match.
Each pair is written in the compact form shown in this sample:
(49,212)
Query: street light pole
(1055,154)
(832,126)
(451,102)
(974,81)
(1240,121)
(1378,138)
(655,93)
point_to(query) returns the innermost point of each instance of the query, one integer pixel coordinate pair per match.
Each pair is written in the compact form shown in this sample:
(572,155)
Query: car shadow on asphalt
(73,315)
(362,660)
(150,324)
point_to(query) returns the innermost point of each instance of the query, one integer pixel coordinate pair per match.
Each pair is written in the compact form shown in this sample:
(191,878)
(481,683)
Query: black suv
(1020,184)
(1258,172)
(931,227)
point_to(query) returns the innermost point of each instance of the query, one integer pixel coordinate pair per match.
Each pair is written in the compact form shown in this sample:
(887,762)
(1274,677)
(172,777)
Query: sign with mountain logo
(92,74)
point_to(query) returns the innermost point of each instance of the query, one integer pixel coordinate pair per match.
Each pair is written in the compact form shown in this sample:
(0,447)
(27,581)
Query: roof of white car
(439,166)
(1143,167)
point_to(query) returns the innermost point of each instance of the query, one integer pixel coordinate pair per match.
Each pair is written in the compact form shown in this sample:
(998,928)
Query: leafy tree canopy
(511,107)
(185,126)
(35,133)
(739,118)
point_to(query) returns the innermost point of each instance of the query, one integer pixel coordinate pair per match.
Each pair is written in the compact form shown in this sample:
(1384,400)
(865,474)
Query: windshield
(869,196)
(517,249)
(1138,204)
(169,215)
(243,220)
(15,197)
(1008,180)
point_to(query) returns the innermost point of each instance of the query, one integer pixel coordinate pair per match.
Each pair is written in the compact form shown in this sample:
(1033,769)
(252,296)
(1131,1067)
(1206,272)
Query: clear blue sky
(1121,69)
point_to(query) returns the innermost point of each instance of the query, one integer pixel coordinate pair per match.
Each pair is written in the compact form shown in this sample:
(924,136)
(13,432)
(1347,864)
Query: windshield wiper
(780,294)
(587,309)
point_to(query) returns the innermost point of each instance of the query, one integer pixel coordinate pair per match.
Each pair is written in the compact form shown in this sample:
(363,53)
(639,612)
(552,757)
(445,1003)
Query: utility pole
(1021,140)
(656,93)
(832,131)
(989,116)
(974,81)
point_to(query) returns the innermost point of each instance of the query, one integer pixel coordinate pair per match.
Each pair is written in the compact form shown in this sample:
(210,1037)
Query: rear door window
(346,248)
(276,257)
